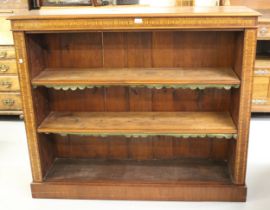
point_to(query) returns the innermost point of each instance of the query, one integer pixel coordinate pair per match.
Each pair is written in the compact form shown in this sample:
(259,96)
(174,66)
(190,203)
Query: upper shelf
(141,124)
(152,78)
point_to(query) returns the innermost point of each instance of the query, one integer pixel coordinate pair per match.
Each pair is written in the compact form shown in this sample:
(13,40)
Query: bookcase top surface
(135,11)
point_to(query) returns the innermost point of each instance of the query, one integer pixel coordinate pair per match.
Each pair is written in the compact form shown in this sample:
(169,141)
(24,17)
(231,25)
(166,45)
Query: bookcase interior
(154,158)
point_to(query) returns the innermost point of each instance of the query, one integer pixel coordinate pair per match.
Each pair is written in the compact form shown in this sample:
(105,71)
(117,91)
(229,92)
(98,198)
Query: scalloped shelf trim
(192,87)
(142,135)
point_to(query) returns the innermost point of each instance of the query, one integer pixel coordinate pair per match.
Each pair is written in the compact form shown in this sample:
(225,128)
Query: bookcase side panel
(243,124)
(28,109)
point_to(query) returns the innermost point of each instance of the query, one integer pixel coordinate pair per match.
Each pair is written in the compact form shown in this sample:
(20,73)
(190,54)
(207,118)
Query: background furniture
(10,98)
(137,105)
(261,86)
(35,4)
(261,83)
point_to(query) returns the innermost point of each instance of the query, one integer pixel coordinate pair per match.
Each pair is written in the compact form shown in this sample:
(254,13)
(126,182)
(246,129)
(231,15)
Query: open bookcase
(146,106)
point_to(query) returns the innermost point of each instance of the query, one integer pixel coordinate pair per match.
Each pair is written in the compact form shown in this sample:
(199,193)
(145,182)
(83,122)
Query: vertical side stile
(28,108)
(249,50)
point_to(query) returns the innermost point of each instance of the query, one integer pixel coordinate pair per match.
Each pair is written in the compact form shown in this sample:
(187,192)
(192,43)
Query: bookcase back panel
(134,49)
(47,152)
(140,148)
(115,99)
(73,50)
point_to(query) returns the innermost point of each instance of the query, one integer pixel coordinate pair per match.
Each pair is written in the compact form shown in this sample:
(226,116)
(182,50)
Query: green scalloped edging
(143,135)
(192,87)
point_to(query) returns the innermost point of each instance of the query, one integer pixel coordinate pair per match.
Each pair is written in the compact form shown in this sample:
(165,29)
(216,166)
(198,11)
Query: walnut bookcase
(136,104)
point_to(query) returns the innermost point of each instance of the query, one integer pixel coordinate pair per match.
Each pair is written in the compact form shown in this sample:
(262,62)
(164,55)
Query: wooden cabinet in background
(10,103)
(261,83)
(264,30)
(5,33)
(255,4)
(7,52)
(261,86)
(13,5)
(126,104)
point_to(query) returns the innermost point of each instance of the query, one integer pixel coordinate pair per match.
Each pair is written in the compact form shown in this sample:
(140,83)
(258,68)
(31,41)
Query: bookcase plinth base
(119,191)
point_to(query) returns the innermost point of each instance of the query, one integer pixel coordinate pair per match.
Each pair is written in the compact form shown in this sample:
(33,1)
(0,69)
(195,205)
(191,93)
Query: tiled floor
(15,176)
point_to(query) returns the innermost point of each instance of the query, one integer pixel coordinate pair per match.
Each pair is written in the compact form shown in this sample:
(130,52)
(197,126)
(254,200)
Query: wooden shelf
(140,123)
(159,77)
(199,171)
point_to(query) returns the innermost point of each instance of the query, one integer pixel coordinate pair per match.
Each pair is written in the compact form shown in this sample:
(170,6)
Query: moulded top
(135,11)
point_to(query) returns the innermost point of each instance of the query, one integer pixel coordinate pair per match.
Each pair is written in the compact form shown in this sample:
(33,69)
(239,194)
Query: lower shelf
(187,179)
(146,171)
(132,171)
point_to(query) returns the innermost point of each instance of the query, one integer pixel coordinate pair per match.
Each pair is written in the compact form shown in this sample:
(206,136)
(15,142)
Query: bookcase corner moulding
(156,109)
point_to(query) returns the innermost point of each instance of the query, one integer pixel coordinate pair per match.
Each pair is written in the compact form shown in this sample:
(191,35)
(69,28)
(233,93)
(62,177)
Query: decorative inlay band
(192,87)
(144,135)
(129,23)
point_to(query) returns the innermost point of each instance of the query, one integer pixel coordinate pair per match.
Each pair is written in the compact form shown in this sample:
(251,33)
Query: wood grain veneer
(173,45)
(138,123)
(135,76)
